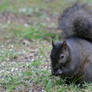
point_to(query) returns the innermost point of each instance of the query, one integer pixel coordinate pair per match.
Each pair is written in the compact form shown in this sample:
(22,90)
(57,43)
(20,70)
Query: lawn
(27,28)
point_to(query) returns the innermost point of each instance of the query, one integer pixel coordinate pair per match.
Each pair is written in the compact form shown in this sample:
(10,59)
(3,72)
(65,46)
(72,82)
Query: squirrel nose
(53,73)
(57,73)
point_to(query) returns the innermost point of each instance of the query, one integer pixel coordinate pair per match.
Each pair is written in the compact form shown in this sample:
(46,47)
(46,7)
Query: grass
(31,32)
(31,5)
(25,50)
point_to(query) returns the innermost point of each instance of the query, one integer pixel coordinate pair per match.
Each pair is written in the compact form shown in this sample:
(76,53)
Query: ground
(27,28)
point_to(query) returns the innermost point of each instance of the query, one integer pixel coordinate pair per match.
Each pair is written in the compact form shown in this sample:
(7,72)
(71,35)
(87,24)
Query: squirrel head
(59,57)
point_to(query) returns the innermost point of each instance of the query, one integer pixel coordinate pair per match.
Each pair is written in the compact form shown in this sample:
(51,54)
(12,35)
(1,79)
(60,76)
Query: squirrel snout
(57,73)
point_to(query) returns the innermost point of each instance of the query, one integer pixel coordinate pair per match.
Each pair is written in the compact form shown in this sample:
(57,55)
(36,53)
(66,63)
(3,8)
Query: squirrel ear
(53,44)
(65,44)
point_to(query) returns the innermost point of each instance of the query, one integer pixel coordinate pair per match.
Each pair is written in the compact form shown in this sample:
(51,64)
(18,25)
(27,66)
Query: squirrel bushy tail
(76,21)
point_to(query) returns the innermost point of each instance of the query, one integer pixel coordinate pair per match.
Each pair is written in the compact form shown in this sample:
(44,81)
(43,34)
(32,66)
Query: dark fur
(78,56)
(76,21)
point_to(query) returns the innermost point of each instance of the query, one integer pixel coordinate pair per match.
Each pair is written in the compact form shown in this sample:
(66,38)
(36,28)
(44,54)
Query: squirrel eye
(61,56)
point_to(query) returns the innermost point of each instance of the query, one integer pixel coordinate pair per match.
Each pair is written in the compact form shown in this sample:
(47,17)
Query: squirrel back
(76,21)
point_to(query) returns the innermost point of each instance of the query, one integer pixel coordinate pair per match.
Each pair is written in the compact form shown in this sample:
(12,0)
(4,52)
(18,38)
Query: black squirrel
(76,21)
(73,56)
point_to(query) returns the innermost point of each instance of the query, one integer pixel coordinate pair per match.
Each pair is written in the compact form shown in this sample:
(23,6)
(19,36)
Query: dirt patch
(49,22)
(8,17)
